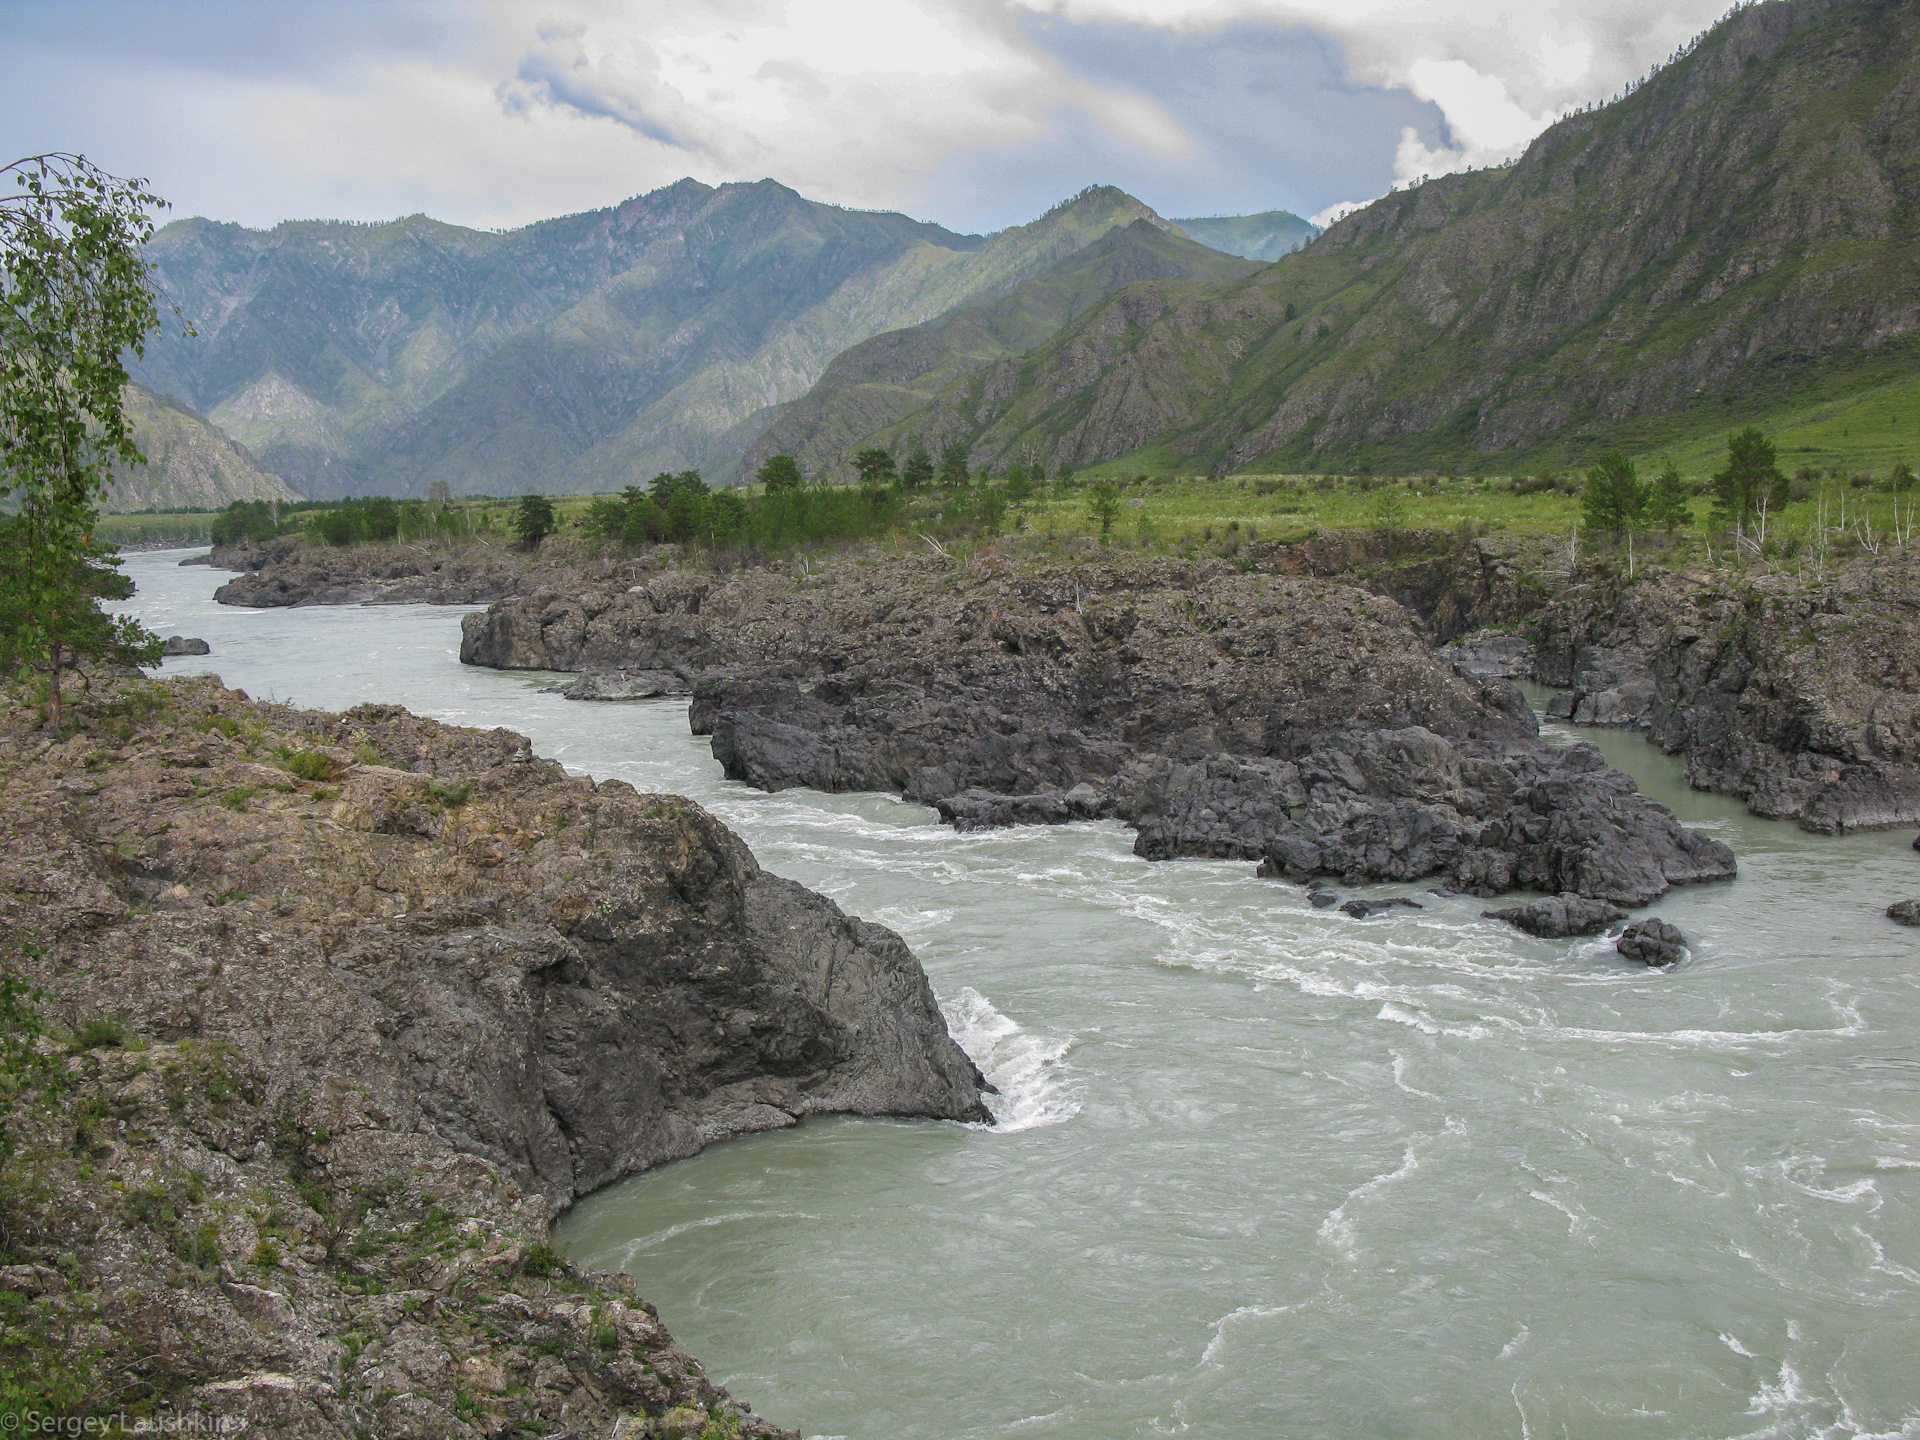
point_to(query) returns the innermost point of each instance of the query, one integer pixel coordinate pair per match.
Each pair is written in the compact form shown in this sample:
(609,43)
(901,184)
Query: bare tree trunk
(55,685)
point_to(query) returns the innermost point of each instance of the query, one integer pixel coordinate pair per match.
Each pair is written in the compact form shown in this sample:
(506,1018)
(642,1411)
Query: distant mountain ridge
(926,384)
(1743,228)
(1266,236)
(572,355)
(189,462)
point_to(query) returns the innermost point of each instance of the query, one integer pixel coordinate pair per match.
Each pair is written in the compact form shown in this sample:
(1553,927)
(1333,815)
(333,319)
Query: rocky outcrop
(294,570)
(184,645)
(405,991)
(1800,693)
(1904,912)
(1652,942)
(1559,916)
(1291,721)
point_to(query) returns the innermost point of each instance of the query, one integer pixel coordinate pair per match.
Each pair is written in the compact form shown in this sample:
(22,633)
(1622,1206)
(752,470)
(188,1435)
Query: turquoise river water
(1263,1171)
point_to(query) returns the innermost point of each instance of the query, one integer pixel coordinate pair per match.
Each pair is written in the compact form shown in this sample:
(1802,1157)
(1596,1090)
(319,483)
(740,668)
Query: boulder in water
(1652,942)
(1321,899)
(1904,912)
(183,645)
(623,685)
(1361,909)
(1560,916)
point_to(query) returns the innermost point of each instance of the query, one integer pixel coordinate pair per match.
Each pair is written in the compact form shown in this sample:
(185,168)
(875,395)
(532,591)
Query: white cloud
(527,108)
(1500,71)
(1334,214)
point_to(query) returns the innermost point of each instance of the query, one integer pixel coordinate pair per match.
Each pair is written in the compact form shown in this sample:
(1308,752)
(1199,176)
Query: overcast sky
(973,113)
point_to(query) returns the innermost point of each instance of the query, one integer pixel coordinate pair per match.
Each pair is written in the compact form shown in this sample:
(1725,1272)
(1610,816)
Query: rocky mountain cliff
(1742,227)
(578,354)
(189,462)
(926,384)
(359,1003)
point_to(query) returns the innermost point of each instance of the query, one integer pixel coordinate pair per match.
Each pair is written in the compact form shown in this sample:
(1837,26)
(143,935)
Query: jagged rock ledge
(362,1001)
(1797,692)
(1294,721)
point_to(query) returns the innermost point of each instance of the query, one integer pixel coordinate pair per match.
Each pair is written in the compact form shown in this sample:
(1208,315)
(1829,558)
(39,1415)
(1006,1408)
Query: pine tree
(533,520)
(1667,505)
(779,472)
(1614,498)
(875,467)
(954,459)
(1752,481)
(918,472)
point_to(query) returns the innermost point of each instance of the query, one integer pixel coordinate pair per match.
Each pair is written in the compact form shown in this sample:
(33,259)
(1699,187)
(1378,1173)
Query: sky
(975,114)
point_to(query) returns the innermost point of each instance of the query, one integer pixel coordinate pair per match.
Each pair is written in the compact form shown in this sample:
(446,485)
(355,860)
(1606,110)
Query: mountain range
(573,355)
(1738,234)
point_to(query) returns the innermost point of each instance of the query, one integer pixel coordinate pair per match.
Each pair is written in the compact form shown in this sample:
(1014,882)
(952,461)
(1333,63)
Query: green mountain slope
(189,462)
(1266,236)
(578,354)
(1739,235)
(925,383)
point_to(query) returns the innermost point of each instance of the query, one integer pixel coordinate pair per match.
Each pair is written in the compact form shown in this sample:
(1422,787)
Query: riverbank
(358,1003)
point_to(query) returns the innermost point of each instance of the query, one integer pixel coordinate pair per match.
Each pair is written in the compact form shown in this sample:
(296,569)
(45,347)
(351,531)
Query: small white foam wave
(1210,1355)
(1029,1070)
(631,1252)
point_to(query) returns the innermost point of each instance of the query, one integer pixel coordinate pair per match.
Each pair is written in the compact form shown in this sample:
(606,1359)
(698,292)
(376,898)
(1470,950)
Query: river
(1264,1171)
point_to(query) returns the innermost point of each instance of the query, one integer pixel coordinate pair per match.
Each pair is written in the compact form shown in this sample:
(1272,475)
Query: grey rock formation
(1560,916)
(1298,723)
(1904,912)
(1652,942)
(182,645)
(1363,909)
(624,685)
(380,1029)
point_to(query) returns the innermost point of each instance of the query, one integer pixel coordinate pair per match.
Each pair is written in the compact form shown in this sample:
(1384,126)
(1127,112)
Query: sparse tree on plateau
(954,459)
(1667,505)
(779,472)
(76,295)
(1614,498)
(1752,483)
(1103,508)
(533,520)
(875,467)
(918,472)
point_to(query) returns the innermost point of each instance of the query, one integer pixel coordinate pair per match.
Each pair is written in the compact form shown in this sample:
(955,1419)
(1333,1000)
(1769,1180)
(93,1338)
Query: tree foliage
(1614,500)
(779,472)
(1103,508)
(1667,502)
(533,520)
(76,294)
(1752,481)
(954,459)
(875,468)
(918,471)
